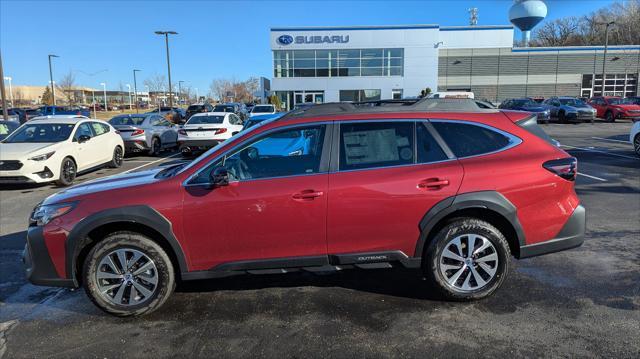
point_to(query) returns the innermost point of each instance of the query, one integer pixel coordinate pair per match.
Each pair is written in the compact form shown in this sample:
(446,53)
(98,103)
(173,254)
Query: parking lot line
(598,151)
(150,163)
(592,177)
(609,139)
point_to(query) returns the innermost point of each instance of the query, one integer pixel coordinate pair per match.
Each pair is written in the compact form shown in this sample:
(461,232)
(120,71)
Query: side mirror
(83,138)
(220,177)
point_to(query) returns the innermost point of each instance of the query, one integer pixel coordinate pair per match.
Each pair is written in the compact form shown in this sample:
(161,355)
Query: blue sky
(217,39)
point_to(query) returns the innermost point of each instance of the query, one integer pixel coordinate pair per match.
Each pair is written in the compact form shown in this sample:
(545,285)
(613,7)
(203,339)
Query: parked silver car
(567,109)
(146,132)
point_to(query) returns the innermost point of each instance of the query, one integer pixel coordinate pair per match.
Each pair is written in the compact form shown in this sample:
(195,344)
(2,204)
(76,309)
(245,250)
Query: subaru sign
(285,39)
(316,39)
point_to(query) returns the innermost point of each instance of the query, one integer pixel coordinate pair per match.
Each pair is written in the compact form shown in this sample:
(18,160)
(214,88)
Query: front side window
(83,130)
(376,144)
(41,132)
(465,139)
(289,152)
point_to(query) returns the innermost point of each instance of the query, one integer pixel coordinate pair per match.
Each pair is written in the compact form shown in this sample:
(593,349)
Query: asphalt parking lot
(579,303)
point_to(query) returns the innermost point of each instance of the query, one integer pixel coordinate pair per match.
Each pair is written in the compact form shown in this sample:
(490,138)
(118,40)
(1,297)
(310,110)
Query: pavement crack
(5,327)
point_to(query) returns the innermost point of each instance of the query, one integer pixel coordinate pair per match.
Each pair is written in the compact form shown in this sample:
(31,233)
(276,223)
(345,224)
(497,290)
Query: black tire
(156,147)
(636,144)
(461,227)
(129,241)
(68,172)
(116,160)
(609,117)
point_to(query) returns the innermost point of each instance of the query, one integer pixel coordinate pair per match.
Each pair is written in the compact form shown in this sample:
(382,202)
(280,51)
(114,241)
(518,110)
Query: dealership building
(360,63)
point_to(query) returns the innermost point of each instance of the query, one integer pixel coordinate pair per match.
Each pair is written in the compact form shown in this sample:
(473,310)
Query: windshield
(223,108)
(127,120)
(41,132)
(620,101)
(262,109)
(571,102)
(195,108)
(199,120)
(523,103)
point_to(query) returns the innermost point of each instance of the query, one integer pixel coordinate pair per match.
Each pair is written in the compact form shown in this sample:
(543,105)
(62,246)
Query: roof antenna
(473,16)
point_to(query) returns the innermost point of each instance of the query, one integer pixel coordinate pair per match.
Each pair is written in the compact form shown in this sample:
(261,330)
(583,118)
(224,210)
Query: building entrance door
(308,97)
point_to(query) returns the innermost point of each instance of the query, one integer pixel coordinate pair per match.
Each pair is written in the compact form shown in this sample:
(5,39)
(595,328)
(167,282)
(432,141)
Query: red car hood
(627,107)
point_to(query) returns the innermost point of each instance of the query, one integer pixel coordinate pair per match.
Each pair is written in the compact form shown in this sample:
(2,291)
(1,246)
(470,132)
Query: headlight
(42,157)
(44,214)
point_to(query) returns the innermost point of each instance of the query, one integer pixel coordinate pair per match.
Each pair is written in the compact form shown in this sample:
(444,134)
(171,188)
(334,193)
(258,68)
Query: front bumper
(570,236)
(38,266)
(580,116)
(31,173)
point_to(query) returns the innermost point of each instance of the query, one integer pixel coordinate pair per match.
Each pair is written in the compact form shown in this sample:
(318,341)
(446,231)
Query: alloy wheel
(636,144)
(117,156)
(127,277)
(468,262)
(68,171)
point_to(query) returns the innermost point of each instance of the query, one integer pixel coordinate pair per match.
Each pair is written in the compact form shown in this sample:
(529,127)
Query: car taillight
(117,132)
(137,132)
(566,168)
(182,132)
(220,130)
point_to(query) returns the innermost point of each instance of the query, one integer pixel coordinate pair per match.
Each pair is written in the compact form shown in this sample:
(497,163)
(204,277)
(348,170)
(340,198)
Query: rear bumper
(191,146)
(38,266)
(136,146)
(570,236)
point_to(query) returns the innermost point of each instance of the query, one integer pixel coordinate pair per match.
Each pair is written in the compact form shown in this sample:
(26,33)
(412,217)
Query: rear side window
(531,124)
(465,139)
(376,144)
(428,150)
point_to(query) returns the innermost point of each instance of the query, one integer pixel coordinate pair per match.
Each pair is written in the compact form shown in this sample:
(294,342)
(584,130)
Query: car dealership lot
(583,302)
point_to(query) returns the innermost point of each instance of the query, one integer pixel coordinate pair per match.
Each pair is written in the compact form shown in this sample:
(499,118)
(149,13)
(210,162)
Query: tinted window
(234,120)
(41,132)
(469,140)
(83,130)
(127,120)
(375,144)
(284,153)
(262,109)
(428,149)
(199,120)
(223,108)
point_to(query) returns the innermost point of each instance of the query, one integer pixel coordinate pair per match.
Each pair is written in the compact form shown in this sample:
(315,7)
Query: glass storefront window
(359,95)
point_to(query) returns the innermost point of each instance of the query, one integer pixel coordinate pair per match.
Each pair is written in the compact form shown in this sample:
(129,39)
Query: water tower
(525,15)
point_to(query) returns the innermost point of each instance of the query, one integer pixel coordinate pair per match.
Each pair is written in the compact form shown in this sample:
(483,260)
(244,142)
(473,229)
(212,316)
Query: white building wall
(476,37)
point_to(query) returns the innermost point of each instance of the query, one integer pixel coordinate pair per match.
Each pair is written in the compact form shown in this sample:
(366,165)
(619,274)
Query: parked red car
(612,108)
(439,185)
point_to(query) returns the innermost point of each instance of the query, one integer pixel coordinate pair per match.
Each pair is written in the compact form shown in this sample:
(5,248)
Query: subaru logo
(285,39)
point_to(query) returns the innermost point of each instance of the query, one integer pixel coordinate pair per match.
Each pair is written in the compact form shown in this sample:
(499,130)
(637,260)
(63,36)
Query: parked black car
(527,104)
(238,108)
(198,108)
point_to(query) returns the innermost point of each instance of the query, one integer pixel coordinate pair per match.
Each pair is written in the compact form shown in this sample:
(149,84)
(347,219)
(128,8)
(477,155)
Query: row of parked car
(571,109)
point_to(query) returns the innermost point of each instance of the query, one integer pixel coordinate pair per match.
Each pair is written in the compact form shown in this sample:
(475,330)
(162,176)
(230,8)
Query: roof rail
(381,106)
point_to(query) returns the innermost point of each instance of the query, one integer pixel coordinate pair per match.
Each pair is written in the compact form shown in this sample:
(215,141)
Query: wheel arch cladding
(141,219)
(490,206)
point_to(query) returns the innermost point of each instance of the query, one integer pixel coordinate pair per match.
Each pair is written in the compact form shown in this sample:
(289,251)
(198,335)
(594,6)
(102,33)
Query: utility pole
(10,89)
(53,88)
(179,90)
(135,89)
(166,41)
(5,112)
(606,46)
(104,91)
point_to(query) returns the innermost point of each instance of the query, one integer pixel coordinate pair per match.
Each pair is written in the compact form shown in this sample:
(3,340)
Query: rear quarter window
(466,139)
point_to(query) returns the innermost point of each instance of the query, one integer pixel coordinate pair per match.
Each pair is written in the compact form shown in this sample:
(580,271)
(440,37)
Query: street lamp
(135,88)
(5,114)
(166,40)
(129,87)
(93,99)
(606,45)
(8,78)
(197,96)
(179,90)
(53,88)
(104,91)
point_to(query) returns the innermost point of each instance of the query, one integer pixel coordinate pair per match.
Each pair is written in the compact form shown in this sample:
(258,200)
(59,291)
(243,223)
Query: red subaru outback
(439,185)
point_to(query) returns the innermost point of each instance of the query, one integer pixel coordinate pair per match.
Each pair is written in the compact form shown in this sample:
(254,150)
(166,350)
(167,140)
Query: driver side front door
(272,213)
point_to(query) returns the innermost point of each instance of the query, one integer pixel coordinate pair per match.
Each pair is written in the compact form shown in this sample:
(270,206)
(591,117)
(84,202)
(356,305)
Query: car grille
(14,179)
(11,165)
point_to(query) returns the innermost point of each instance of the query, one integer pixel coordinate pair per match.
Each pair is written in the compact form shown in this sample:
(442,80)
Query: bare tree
(232,90)
(67,86)
(156,82)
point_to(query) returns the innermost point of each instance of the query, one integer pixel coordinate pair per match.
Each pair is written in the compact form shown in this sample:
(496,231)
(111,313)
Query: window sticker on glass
(371,146)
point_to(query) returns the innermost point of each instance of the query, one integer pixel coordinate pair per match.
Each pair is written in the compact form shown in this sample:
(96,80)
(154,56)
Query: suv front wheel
(467,259)
(128,274)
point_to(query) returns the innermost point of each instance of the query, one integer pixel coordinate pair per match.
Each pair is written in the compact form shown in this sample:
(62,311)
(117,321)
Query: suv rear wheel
(128,274)
(636,144)
(468,259)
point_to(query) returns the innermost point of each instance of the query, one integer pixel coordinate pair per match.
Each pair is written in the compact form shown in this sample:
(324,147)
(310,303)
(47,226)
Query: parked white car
(634,137)
(262,110)
(206,130)
(57,148)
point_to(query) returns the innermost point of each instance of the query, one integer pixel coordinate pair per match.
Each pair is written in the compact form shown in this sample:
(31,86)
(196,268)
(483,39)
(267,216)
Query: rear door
(100,145)
(385,176)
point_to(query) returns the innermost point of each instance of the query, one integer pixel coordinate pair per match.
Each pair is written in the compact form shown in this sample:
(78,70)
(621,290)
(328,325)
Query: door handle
(433,183)
(307,195)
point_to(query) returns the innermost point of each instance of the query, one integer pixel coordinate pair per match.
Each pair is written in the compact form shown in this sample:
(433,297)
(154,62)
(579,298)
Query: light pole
(53,88)
(8,78)
(5,113)
(93,98)
(606,45)
(135,88)
(104,91)
(179,90)
(197,96)
(129,87)
(166,40)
